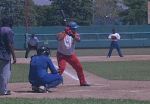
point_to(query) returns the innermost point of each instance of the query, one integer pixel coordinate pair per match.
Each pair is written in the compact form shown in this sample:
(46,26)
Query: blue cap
(73,25)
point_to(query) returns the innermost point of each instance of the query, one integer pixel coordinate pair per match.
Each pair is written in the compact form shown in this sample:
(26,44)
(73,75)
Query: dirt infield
(100,88)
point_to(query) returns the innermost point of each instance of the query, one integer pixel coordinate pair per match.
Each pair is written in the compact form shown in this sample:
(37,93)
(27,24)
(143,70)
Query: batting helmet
(73,25)
(43,50)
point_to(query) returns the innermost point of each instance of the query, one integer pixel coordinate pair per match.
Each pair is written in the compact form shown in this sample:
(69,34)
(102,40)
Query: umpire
(6,50)
(32,44)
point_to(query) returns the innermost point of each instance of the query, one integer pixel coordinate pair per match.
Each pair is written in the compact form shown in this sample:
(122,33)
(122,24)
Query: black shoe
(8,92)
(35,89)
(39,89)
(85,84)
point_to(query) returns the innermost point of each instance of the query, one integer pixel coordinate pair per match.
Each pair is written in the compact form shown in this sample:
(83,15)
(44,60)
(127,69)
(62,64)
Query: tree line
(85,12)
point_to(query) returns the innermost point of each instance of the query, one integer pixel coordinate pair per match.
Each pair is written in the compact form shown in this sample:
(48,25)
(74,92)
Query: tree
(136,14)
(29,13)
(78,10)
(46,16)
(105,11)
(12,9)
(15,9)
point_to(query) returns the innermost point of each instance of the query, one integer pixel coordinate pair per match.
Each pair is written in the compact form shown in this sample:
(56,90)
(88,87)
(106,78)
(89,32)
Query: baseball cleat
(42,89)
(35,88)
(8,92)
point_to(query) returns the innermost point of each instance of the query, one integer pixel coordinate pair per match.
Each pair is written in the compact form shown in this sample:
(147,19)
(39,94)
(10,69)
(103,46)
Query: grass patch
(135,70)
(69,101)
(95,52)
(104,51)
(21,54)
(19,73)
(128,70)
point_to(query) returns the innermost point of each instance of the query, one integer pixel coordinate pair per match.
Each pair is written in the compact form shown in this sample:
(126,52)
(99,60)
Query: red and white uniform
(65,53)
(66,46)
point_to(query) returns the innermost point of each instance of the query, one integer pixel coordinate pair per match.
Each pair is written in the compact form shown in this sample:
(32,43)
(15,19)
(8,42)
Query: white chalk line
(132,91)
(69,74)
(99,85)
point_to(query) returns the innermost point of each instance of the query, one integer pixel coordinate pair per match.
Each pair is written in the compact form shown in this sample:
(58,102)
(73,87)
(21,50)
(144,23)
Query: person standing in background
(114,37)
(6,50)
(32,44)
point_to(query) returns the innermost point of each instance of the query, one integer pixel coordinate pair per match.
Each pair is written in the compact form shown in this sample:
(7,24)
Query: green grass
(21,54)
(19,73)
(97,52)
(130,70)
(69,101)
(135,70)
(104,52)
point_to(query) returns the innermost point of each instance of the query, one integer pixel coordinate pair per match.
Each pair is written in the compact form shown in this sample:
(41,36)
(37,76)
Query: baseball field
(113,80)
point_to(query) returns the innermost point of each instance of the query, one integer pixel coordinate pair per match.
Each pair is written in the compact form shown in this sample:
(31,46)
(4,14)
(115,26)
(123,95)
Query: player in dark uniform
(6,50)
(39,77)
(32,44)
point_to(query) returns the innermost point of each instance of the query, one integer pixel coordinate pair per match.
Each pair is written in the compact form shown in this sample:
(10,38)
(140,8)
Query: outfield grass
(69,101)
(127,70)
(96,52)
(104,52)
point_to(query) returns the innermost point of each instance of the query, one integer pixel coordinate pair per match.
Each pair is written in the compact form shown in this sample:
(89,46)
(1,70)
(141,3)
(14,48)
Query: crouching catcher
(39,77)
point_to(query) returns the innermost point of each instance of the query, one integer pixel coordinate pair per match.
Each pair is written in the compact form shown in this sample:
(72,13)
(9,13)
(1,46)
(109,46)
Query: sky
(42,2)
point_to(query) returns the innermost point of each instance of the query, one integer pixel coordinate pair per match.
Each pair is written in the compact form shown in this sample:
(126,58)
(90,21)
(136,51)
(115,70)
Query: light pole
(26,12)
(27,15)
(93,7)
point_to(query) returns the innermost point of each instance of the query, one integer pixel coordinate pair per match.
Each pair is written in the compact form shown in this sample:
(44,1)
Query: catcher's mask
(43,50)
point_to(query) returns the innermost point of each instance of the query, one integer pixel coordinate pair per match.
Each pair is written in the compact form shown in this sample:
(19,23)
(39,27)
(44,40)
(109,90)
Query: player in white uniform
(114,37)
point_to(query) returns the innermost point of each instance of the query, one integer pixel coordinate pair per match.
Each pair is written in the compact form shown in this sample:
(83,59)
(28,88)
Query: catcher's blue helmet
(43,50)
(73,25)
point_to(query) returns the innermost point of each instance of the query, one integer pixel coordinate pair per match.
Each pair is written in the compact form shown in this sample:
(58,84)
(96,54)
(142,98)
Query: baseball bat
(64,17)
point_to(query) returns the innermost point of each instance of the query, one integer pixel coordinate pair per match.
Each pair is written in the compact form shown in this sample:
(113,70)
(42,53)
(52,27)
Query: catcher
(65,51)
(114,37)
(39,77)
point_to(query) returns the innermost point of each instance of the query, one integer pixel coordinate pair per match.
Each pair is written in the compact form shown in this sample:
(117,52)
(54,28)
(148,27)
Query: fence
(91,40)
